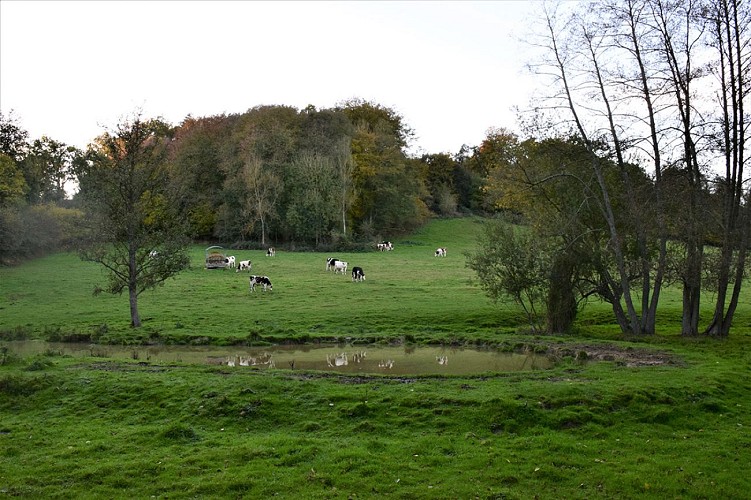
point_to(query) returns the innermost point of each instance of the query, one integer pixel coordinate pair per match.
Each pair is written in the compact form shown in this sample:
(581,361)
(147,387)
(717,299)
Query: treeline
(35,215)
(310,178)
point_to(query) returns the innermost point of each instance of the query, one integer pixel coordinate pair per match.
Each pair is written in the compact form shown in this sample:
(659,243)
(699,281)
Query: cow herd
(332,263)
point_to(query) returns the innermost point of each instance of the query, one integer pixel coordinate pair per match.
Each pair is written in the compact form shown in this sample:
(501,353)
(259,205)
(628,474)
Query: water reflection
(401,360)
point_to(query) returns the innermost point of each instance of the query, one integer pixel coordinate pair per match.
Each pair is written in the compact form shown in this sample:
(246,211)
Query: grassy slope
(406,292)
(103,429)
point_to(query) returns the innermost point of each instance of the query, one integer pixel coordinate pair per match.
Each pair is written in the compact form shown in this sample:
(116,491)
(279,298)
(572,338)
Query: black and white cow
(330,262)
(243,266)
(340,266)
(440,252)
(263,281)
(358,274)
(229,262)
(385,246)
(270,252)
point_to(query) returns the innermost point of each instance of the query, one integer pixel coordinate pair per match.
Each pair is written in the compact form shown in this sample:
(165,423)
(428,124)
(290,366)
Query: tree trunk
(692,290)
(561,303)
(135,319)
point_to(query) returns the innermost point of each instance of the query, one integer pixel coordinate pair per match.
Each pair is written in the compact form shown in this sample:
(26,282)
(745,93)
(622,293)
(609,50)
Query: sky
(452,69)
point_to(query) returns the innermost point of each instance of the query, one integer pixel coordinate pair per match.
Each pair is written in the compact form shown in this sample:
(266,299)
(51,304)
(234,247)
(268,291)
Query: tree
(195,168)
(439,180)
(388,184)
(137,235)
(511,262)
(728,23)
(14,140)
(48,167)
(548,185)
(625,72)
(313,185)
(12,184)
(344,167)
(261,192)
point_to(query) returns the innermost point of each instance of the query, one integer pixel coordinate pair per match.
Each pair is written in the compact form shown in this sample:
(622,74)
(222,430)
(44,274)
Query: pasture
(407,294)
(673,424)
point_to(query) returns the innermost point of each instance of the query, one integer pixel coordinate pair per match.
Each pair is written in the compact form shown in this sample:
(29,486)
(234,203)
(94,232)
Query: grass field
(407,293)
(101,428)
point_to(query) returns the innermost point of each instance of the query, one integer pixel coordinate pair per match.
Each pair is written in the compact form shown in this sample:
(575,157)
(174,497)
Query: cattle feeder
(215,258)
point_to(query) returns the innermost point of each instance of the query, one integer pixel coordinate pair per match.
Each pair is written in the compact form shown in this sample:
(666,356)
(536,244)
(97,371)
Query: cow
(243,266)
(330,261)
(229,262)
(440,252)
(385,246)
(358,274)
(340,266)
(153,254)
(263,281)
(270,252)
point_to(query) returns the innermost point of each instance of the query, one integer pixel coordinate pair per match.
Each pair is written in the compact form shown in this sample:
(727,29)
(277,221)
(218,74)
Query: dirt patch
(626,356)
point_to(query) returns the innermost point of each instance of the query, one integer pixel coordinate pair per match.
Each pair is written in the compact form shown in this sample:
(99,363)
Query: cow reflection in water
(337,359)
(342,359)
(388,364)
(262,360)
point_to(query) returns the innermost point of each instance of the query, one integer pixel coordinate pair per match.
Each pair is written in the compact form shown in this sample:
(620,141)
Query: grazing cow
(243,266)
(440,252)
(270,252)
(358,274)
(330,262)
(340,266)
(385,246)
(263,281)
(230,262)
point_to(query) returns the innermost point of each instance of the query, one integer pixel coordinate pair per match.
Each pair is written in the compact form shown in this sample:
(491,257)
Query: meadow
(673,426)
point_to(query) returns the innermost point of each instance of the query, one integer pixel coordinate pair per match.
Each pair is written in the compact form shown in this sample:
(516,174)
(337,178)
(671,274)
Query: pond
(370,359)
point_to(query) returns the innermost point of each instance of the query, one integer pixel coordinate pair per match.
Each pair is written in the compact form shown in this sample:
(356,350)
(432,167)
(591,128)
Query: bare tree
(262,188)
(728,26)
(629,79)
(345,168)
(575,60)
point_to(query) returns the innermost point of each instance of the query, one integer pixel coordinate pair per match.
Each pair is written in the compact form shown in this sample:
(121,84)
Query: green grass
(407,293)
(100,428)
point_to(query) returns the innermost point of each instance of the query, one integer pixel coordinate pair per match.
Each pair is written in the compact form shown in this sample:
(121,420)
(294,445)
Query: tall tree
(439,174)
(313,185)
(627,73)
(344,167)
(12,184)
(728,27)
(14,140)
(48,167)
(261,189)
(195,167)
(137,235)
(389,187)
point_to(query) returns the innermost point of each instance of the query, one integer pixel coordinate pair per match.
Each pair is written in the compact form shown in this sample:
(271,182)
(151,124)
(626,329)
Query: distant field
(408,294)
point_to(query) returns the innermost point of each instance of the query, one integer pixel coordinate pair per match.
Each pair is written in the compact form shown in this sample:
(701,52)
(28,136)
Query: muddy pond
(351,359)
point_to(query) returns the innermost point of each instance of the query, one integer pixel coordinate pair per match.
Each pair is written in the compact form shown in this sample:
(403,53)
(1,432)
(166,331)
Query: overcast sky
(451,69)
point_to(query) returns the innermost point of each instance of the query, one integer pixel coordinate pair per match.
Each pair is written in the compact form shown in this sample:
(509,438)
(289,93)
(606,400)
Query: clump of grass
(180,433)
